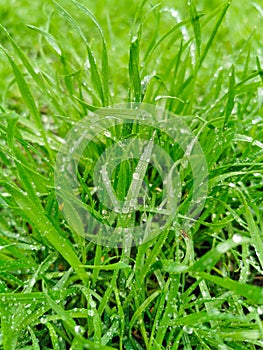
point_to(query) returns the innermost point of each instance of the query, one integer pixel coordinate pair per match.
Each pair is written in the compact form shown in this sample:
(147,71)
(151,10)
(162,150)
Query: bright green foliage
(61,60)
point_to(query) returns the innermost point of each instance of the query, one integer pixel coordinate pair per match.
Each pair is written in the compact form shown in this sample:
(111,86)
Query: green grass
(61,61)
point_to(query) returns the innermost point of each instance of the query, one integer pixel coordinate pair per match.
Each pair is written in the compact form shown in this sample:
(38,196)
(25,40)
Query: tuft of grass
(61,61)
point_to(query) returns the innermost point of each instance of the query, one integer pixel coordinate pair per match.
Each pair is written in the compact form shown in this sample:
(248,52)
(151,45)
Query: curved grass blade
(36,77)
(52,42)
(142,307)
(29,100)
(45,227)
(256,235)
(207,261)
(105,63)
(95,76)
(251,292)
(215,30)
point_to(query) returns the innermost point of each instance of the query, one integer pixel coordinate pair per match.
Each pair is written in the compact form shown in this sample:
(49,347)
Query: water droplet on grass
(91,313)
(237,238)
(125,210)
(78,330)
(188,329)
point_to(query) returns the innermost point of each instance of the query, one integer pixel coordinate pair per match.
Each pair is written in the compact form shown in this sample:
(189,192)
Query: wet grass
(200,289)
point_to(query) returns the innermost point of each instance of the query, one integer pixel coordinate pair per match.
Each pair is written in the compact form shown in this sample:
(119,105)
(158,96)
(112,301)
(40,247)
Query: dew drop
(237,238)
(136,176)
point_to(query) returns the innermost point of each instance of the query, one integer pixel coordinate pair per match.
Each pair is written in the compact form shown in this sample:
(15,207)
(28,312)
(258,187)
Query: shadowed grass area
(59,63)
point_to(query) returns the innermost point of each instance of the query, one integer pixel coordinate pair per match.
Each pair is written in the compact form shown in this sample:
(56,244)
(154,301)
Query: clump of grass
(200,290)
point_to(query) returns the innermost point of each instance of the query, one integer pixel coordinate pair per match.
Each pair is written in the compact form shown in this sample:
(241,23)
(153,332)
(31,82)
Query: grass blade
(207,261)
(105,64)
(256,235)
(52,42)
(213,34)
(134,70)
(231,95)
(96,79)
(196,26)
(29,100)
(44,226)
(252,293)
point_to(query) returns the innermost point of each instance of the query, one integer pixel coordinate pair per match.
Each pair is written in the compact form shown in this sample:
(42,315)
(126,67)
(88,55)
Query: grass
(200,289)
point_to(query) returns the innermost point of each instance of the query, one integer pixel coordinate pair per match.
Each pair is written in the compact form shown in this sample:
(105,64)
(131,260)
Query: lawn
(131,177)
